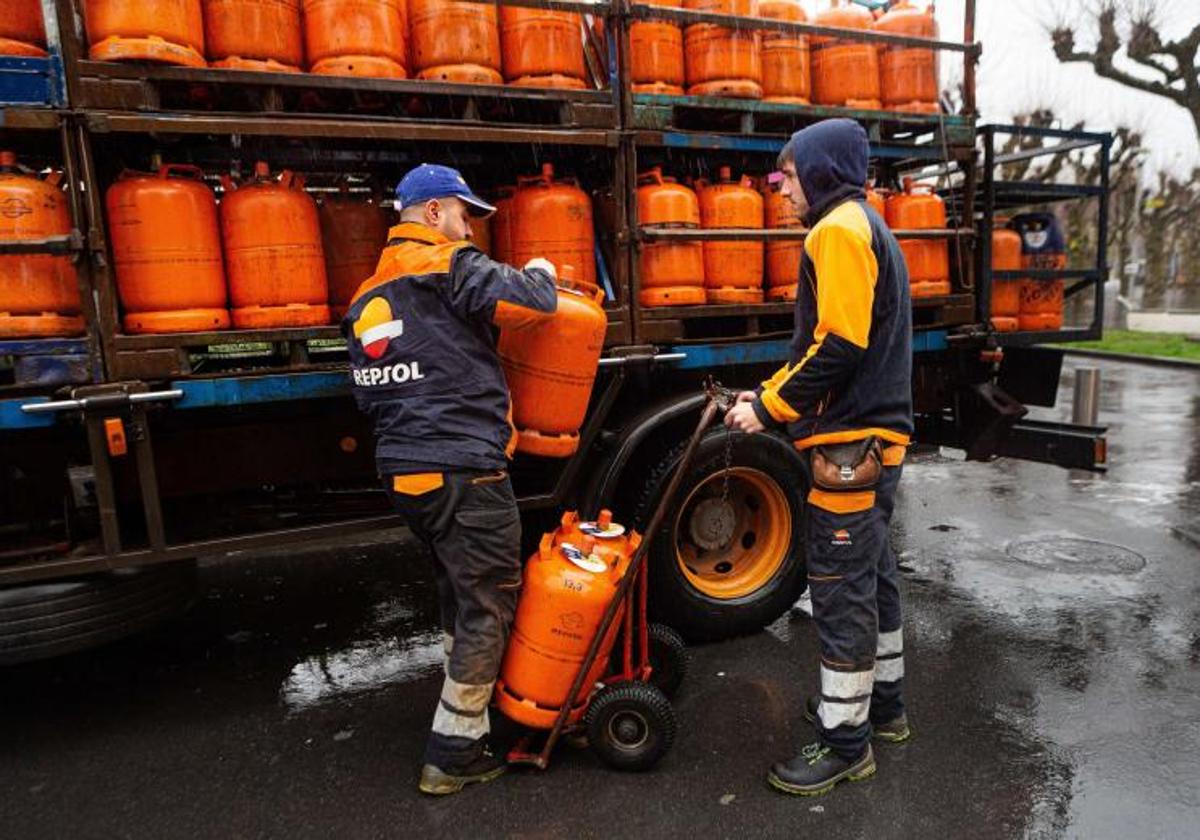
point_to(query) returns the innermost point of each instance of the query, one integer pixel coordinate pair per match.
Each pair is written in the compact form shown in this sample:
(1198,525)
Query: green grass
(1169,345)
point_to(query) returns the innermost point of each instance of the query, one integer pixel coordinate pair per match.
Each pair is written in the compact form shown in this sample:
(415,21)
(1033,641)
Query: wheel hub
(713,523)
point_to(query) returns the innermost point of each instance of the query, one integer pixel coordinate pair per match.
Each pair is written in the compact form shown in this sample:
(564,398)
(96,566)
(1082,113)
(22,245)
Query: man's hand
(544,264)
(747,396)
(743,418)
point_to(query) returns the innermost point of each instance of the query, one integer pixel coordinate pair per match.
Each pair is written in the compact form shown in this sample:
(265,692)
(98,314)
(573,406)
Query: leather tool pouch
(847,466)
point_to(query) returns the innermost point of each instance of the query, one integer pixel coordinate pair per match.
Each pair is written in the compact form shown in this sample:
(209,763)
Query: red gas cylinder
(787,76)
(166,248)
(553,219)
(39,294)
(670,273)
(455,42)
(928,260)
(273,253)
(783,258)
(542,48)
(167,31)
(502,248)
(353,233)
(550,369)
(1043,248)
(909,77)
(254,34)
(722,61)
(656,54)
(844,72)
(733,271)
(356,37)
(568,585)
(1006,294)
(21,29)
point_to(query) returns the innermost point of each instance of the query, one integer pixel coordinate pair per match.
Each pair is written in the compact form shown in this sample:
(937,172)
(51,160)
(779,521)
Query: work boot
(438,782)
(894,731)
(817,769)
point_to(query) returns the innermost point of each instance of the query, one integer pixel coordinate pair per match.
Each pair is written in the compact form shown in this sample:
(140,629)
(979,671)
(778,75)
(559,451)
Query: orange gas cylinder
(502,250)
(553,219)
(166,248)
(723,61)
(542,48)
(356,37)
(254,34)
(550,369)
(783,258)
(1006,294)
(168,31)
(39,294)
(877,199)
(670,273)
(1043,248)
(733,271)
(928,260)
(656,54)
(21,29)
(845,73)
(455,42)
(908,76)
(568,585)
(787,76)
(353,233)
(273,253)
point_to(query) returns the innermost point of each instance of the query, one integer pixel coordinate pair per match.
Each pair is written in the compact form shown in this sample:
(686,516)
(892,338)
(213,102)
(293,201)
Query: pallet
(109,86)
(39,364)
(32,81)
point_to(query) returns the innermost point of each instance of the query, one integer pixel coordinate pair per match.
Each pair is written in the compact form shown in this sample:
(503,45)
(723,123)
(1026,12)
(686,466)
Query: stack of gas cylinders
(436,40)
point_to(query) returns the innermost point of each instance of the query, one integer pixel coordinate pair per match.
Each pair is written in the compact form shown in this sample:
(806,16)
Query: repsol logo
(396,374)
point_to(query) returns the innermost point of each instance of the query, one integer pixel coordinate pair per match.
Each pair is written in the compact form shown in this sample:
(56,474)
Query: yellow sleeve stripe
(778,408)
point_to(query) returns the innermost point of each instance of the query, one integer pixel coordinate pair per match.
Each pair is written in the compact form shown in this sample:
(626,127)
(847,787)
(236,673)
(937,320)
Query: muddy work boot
(893,732)
(437,781)
(818,769)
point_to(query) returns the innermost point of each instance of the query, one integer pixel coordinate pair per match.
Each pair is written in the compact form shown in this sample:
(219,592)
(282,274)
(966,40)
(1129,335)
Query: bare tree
(1172,63)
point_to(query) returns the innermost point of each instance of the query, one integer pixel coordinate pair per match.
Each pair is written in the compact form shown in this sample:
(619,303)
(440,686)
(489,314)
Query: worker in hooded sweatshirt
(845,398)
(422,338)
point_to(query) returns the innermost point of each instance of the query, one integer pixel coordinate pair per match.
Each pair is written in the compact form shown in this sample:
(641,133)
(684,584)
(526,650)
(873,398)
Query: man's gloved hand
(544,264)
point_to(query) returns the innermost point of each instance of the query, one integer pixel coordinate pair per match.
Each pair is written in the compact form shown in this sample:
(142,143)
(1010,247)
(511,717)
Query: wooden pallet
(109,86)
(44,363)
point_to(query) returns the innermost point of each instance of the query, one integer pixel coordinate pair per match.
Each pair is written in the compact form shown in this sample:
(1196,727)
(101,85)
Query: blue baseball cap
(429,181)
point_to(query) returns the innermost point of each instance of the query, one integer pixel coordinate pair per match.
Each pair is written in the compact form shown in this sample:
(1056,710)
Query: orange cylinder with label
(167,31)
(356,37)
(908,75)
(551,367)
(254,34)
(353,233)
(455,42)
(39,294)
(568,585)
(721,61)
(502,249)
(553,219)
(656,54)
(1006,294)
(928,260)
(783,258)
(273,253)
(22,31)
(1043,248)
(733,271)
(166,247)
(670,273)
(844,72)
(542,48)
(786,71)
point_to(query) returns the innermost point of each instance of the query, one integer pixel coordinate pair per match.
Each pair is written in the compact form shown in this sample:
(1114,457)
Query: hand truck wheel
(630,725)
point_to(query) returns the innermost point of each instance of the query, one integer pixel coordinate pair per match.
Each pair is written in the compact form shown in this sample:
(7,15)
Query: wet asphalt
(1053,650)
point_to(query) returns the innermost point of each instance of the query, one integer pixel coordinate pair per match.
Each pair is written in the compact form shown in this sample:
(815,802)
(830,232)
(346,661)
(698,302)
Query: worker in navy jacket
(422,335)
(844,397)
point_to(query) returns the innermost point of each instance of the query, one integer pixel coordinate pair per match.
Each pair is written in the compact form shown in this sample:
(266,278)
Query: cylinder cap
(262,169)
(604,519)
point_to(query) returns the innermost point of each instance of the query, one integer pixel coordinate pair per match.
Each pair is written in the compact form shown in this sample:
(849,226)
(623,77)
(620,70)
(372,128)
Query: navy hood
(831,160)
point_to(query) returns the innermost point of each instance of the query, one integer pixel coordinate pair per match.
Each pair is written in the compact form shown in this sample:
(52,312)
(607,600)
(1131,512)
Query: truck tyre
(40,621)
(729,558)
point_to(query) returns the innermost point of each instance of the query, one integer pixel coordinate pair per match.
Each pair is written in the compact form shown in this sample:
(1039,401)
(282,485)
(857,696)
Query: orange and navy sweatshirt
(422,335)
(849,371)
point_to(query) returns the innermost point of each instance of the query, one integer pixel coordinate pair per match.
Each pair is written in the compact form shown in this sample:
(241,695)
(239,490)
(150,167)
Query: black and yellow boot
(818,769)
(438,781)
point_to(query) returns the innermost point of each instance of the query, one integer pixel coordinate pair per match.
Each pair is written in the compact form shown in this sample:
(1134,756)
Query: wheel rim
(628,729)
(730,546)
